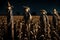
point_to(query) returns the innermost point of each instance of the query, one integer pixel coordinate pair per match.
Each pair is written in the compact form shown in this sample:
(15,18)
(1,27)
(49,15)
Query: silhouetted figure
(27,19)
(27,15)
(10,23)
(55,18)
(55,24)
(45,26)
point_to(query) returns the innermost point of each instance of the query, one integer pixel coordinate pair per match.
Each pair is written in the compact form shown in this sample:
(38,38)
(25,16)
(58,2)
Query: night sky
(35,5)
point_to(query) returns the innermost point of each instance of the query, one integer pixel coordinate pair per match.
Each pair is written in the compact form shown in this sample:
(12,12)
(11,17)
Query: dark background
(35,5)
